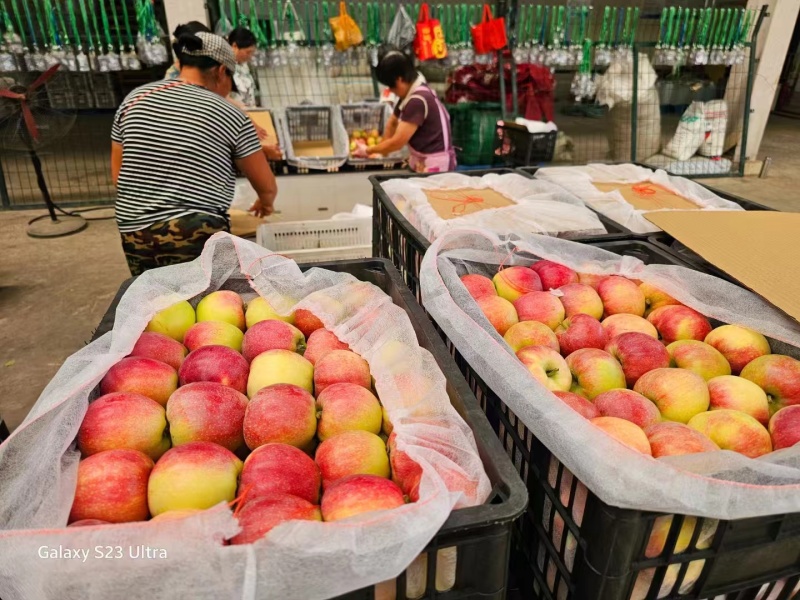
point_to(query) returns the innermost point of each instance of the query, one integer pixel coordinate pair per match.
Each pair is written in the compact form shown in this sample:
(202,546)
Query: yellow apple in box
(374,133)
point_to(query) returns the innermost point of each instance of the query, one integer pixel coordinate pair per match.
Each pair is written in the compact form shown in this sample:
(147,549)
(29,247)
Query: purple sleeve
(414,112)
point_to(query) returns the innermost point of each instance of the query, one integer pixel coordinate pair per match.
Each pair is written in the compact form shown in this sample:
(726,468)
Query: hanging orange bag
(429,42)
(345,30)
(490,33)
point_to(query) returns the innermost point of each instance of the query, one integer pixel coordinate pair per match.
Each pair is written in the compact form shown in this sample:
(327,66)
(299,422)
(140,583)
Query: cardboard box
(450,204)
(760,249)
(648,196)
(263,119)
(313,149)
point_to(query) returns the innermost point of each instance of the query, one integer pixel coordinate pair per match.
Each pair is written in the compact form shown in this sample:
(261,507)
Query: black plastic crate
(309,123)
(482,534)
(570,545)
(515,146)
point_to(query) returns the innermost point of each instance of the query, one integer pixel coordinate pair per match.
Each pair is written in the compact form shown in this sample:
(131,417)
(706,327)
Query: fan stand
(50,225)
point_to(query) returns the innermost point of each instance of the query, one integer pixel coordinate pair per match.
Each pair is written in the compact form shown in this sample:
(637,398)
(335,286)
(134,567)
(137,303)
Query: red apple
(580,331)
(547,367)
(258,517)
(144,376)
(699,358)
(280,413)
(543,307)
(594,372)
(676,322)
(351,453)
(679,394)
(737,393)
(638,353)
(280,469)
(733,430)
(218,364)
(554,275)
(160,347)
(580,298)
(222,306)
(669,438)
(621,295)
(513,282)
(478,285)
(738,344)
(405,472)
(778,376)
(628,405)
(624,432)
(579,404)
(207,412)
(271,334)
(307,322)
(213,333)
(359,494)
(784,427)
(320,343)
(530,333)
(347,407)
(623,323)
(500,313)
(655,298)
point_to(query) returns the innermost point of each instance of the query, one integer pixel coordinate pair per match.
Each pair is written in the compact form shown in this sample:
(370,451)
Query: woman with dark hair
(174,146)
(243,43)
(174,70)
(419,120)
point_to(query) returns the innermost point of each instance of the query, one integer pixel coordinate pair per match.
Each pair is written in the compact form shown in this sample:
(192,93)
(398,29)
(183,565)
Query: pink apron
(435,162)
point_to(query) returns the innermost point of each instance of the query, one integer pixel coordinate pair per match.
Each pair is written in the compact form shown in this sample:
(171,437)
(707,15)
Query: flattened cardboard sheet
(648,196)
(450,204)
(313,149)
(263,119)
(760,249)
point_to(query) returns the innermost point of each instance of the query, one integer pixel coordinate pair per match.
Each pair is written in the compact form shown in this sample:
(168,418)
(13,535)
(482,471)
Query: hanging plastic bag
(345,30)
(429,40)
(402,33)
(490,33)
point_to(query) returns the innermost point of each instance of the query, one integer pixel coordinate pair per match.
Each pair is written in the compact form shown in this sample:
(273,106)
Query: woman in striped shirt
(174,147)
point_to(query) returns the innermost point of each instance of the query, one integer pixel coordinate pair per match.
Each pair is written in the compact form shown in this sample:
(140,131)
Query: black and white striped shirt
(179,142)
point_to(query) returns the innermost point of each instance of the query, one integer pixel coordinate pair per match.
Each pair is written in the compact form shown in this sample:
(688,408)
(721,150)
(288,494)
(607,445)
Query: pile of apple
(216,405)
(647,370)
(362,138)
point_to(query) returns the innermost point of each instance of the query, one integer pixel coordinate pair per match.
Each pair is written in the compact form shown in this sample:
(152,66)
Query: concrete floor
(54,292)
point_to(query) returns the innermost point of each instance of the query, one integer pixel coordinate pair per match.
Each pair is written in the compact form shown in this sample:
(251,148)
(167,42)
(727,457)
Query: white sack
(723,485)
(716,114)
(579,182)
(297,560)
(690,134)
(697,165)
(541,207)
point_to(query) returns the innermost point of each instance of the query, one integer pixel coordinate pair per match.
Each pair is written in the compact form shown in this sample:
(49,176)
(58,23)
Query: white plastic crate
(318,241)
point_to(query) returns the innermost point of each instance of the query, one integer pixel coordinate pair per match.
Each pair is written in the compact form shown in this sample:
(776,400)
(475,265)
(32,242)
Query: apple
(144,376)
(699,358)
(778,376)
(371,141)
(223,305)
(88,523)
(530,333)
(579,404)
(353,146)
(580,331)
(654,298)
(784,427)
(279,366)
(624,323)
(280,469)
(351,453)
(679,394)
(218,364)
(307,322)
(259,309)
(271,335)
(213,333)
(160,347)
(644,581)
(590,279)
(346,407)
(547,367)
(195,475)
(174,515)
(124,420)
(513,282)
(320,343)
(360,494)
(406,472)
(679,323)
(258,517)
(733,430)
(736,393)
(174,321)
(660,534)
(594,372)
(638,353)
(628,405)
(341,366)
(280,413)
(374,133)
(738,344)
(669,438)
(478,285)
(112,487)
(543,307)
(624,432)
(580,298)
(554,275)
(621,295)
(499,312)
(207,412)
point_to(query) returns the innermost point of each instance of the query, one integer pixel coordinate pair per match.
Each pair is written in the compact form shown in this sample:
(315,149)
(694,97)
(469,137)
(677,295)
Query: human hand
(273,151)
(260,132)
(261,209)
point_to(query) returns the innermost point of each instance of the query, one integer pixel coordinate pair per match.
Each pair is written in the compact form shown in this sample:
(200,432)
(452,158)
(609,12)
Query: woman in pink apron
(420,120)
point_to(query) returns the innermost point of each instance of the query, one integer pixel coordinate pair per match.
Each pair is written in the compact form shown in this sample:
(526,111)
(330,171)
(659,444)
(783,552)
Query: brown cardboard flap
(243,224)
(648,196)
(450,204)
(760,249)
(263,119)
(313,149)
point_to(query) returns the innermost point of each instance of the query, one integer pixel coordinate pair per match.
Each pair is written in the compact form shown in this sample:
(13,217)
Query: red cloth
(481,83)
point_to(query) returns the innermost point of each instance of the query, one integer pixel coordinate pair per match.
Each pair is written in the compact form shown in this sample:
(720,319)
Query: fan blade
(30,122)
(6,93)
(43,78)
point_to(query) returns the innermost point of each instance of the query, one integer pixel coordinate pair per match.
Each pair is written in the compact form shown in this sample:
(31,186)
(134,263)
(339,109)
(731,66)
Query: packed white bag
(716,114)
(696,165)
(690,134)
(298,560)
(580,181)
(539,206)
(722,485)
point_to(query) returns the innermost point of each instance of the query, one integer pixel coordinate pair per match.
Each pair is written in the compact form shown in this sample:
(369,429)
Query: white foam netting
(723,484)
(339,141)
(540,207)
(579,181)
(302,560)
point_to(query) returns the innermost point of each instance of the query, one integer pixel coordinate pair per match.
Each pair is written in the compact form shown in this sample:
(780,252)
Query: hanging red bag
(490,33)
(429,42)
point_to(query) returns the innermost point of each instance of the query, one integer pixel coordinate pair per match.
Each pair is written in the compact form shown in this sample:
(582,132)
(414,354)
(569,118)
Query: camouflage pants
(171,242)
